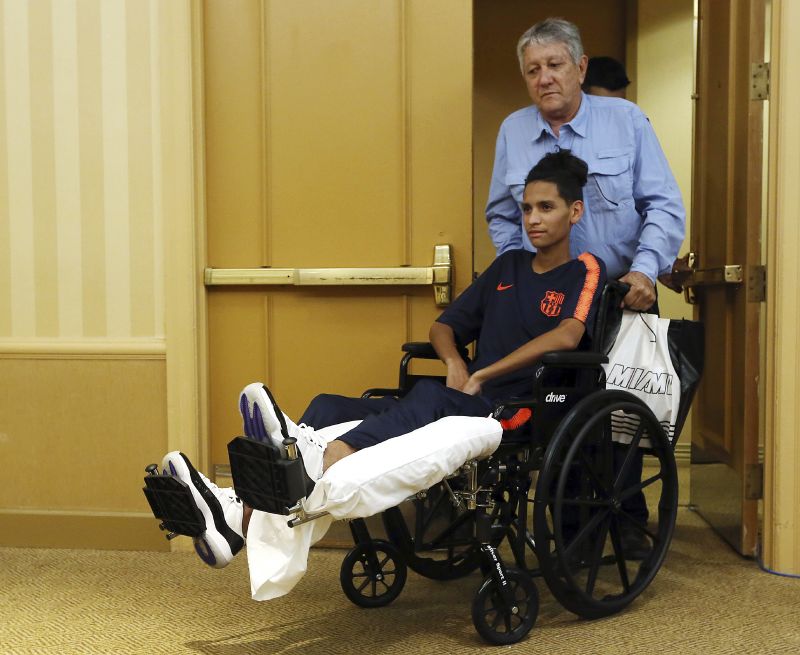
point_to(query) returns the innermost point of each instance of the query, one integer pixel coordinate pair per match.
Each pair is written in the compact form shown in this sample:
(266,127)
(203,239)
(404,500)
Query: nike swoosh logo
(503,287)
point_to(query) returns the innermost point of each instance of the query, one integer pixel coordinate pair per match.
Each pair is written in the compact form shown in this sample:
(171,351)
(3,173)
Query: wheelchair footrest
(264,478)
(171,501)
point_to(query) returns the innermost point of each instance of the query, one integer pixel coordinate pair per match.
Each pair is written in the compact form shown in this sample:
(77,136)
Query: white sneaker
(312,449)
(262,417)
(263,420)
(221,509)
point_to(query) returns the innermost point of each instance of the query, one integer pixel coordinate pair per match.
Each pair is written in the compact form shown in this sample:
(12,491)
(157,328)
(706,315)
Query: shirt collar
(578,124)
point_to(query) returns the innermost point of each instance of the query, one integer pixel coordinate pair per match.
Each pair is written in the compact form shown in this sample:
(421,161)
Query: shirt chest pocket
(610,183)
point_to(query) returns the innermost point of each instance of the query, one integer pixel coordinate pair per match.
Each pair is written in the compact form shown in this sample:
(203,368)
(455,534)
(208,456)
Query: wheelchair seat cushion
(365,483)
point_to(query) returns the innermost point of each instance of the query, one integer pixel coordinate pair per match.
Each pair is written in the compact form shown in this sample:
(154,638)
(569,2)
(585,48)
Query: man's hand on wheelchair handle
(642,293)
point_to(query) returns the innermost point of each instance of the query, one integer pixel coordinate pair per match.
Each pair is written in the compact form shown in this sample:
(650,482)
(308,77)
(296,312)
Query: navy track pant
(330,409)
(386,418)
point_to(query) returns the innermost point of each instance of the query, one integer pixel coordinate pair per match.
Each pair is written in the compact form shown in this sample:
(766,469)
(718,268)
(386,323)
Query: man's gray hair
(552,30)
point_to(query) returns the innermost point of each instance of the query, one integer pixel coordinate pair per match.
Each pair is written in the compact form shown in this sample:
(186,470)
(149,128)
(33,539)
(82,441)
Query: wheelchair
(547,503)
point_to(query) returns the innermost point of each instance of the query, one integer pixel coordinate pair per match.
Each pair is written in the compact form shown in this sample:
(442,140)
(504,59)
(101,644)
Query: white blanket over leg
(365,483)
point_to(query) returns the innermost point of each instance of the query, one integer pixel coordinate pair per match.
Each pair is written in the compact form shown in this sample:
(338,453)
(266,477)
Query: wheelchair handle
(621,288)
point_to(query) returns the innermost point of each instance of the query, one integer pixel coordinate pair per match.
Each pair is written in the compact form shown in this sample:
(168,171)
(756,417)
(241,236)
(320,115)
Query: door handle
(439,275)
(691,277)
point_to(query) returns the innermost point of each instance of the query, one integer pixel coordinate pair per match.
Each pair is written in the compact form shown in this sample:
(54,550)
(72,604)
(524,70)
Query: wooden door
(337,134)
(726,230)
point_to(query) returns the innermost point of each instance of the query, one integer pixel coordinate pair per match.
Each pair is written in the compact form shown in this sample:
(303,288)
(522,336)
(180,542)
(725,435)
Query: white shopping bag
(639,362)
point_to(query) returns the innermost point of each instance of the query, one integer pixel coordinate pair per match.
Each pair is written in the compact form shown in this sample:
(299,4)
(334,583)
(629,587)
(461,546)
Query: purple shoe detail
(253,425)
(259,431)
(262,419)
(202,549)
(244,411)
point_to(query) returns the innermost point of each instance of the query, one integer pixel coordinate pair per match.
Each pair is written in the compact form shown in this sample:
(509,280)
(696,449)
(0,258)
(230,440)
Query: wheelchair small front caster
(496,622)
(373,574)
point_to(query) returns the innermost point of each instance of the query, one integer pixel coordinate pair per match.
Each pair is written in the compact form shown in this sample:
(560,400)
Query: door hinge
(753,481)
(756,284)
(759,81)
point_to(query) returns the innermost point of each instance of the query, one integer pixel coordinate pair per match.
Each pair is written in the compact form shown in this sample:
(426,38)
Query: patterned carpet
(705,600)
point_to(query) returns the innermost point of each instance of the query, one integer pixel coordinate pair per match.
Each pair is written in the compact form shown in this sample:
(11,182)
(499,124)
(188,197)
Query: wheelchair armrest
(421,349)
(515,403)
(381,392)
(425,350)
(573,359)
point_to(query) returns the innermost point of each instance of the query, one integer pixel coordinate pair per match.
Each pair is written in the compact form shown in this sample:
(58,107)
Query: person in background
(605,76)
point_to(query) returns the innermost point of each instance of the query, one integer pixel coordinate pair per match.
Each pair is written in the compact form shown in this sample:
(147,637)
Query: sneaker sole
(217,546)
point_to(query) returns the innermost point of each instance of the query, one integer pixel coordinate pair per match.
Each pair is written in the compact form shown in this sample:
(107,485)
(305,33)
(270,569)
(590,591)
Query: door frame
(780,548)
(184,243)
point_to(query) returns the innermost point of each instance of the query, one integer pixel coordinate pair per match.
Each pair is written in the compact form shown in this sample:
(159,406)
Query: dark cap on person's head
(607,73)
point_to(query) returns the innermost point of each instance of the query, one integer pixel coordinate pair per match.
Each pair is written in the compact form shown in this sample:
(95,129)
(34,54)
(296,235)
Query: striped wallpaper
(81,219)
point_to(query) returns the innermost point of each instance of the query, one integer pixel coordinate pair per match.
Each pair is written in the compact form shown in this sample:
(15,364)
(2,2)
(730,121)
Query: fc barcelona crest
(551,303)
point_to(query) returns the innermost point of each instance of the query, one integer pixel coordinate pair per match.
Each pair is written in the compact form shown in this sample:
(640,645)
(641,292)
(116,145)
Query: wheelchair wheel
(578,513)
(499,624)
(443,545)
(373,574)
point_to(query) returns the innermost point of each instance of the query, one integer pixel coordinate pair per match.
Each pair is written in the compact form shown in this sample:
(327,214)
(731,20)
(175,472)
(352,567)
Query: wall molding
(80,529)
(150,348)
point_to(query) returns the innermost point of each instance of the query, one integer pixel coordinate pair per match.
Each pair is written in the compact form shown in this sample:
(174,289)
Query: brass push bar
(440,275)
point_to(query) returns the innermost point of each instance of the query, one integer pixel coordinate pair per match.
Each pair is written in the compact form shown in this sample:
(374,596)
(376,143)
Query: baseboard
(85,530)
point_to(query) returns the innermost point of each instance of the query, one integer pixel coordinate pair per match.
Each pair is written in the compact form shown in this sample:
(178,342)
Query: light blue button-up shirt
(634,217)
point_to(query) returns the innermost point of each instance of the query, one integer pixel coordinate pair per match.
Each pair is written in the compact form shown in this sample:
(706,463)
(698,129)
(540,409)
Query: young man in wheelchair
(523,306)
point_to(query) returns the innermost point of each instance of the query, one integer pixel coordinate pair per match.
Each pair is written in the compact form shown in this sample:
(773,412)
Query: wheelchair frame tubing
(362,537)
(493,561)
(360,532)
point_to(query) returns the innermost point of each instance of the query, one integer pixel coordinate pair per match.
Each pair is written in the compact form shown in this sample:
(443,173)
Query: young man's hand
(457,375)
(473,385)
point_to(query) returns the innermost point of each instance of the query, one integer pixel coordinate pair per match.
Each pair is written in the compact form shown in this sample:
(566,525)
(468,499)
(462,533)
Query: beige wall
(663,58)
(87,128)
(81,151)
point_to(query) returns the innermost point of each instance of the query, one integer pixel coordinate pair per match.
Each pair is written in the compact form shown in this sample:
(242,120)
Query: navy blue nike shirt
(509,304)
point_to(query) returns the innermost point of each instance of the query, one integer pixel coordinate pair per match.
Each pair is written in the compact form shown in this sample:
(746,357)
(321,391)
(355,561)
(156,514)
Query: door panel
(334,126)
(726,229)
(337,135)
